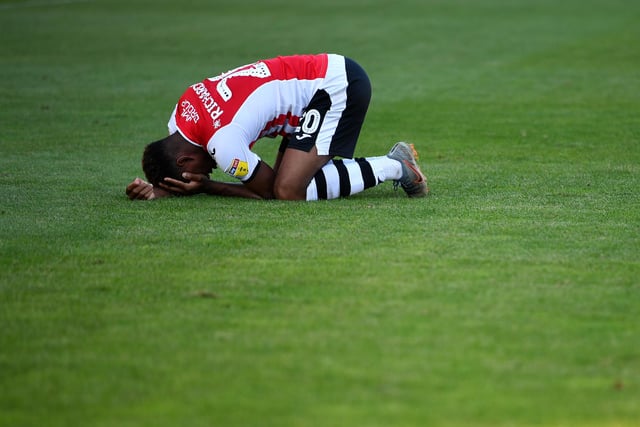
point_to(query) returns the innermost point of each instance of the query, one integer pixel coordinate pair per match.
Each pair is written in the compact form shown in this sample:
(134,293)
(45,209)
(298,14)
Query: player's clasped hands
(140,189)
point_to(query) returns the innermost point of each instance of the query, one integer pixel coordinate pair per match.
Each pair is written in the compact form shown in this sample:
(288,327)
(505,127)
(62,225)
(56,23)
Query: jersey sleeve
(232,154)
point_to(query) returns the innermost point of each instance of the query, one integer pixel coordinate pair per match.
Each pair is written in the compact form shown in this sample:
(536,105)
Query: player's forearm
(229,189)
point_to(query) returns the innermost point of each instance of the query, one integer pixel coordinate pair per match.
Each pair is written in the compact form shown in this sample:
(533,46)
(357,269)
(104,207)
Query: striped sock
(344,177)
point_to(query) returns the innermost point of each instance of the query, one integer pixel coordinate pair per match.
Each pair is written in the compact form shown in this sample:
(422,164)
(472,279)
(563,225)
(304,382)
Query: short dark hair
(159,161)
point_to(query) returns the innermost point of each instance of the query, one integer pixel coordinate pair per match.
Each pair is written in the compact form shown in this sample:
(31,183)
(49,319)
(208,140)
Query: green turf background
(509,297)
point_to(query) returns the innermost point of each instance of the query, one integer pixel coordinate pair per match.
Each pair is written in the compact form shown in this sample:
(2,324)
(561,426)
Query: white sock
(385,168)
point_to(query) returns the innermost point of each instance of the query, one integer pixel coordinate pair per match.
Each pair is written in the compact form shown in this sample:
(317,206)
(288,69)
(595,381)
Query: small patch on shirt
(238,168)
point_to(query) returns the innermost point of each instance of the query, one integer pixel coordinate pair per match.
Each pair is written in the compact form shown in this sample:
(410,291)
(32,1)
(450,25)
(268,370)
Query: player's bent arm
(199,183)
(261,183)
(260,186)
(229,189)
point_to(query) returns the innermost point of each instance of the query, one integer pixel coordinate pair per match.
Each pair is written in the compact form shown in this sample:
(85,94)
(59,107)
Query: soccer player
(317,103)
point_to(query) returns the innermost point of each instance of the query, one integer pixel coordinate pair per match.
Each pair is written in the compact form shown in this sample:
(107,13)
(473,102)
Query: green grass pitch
(509,297)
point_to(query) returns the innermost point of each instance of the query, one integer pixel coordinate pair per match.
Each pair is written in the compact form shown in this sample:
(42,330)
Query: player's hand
(139,189)
(196,183)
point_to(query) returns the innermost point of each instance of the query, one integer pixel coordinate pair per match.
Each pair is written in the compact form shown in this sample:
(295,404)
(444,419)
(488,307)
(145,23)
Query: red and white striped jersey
(227,114)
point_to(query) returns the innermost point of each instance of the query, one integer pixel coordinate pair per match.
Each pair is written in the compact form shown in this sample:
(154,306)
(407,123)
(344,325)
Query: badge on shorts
(238,168)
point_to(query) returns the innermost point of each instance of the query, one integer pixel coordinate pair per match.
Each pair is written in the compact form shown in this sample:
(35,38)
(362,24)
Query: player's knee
(286,191)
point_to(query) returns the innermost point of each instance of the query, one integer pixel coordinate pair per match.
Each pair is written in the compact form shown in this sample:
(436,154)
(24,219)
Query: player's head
(171,156)
(159,160)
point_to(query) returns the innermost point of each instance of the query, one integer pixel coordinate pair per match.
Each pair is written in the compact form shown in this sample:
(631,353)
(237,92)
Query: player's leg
(329,127)
(341,178)
(295,171)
